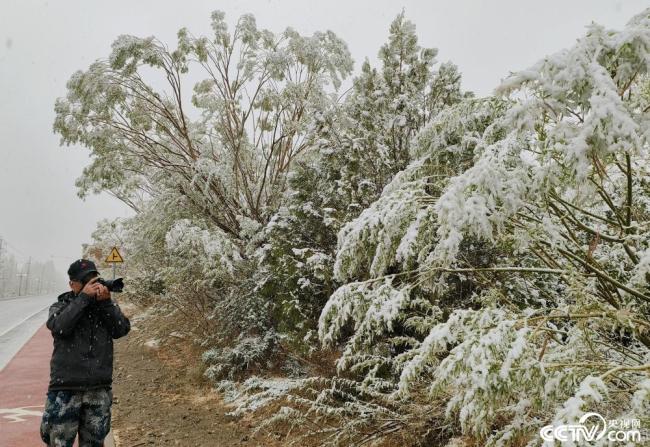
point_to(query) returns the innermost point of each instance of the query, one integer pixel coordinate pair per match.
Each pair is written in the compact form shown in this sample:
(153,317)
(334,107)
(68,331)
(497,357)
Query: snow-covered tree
(203,169)
(384,297)
(367,143)
(362,143)
(230,153)
(553,320)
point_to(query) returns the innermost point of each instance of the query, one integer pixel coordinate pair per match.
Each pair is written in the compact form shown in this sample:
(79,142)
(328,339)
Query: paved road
(19,320)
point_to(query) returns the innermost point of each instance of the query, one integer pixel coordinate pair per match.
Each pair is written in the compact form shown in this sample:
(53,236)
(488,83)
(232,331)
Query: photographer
(84,321)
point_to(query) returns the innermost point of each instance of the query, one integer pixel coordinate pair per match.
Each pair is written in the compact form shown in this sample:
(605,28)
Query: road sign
(114,256)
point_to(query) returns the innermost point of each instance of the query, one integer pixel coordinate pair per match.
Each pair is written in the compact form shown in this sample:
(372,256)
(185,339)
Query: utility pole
(2,269)
(20,282)
(29,264)
(40,280)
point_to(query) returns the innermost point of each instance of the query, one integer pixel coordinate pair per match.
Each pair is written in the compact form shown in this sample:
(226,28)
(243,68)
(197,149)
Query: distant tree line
(31,277)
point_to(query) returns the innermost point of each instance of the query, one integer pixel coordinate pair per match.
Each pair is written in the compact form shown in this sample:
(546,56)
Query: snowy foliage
(247,352)
(397,224)
(366,142)
(358,154)
(212,250)
(230,153)
(549,187)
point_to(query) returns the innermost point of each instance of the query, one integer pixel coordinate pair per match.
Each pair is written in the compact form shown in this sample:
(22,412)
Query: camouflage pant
(69,412)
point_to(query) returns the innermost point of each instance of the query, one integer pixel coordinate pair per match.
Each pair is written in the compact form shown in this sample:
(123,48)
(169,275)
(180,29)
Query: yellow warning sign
(114,256)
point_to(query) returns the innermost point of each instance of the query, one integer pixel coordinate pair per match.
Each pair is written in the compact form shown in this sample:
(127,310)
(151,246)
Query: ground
(161,399)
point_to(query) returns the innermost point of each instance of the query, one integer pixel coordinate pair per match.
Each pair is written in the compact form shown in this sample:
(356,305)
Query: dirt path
(159,400)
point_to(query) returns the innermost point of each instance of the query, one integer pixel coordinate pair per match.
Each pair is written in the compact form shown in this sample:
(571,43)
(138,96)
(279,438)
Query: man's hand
(103,293)
(97,291)
(92,288)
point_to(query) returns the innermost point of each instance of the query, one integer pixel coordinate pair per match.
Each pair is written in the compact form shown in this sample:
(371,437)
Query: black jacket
(83,331)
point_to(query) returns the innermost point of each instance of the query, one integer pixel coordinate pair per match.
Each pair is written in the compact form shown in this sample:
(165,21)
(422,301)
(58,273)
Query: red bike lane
(23,384)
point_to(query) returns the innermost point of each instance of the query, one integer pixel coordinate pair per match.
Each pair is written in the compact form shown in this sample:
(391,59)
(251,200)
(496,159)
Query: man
(84,322)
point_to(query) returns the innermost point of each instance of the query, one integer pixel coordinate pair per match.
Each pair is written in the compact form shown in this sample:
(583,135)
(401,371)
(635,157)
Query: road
(19,319)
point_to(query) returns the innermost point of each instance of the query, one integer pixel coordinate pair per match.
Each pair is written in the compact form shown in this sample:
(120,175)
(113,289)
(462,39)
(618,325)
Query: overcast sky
(42,43)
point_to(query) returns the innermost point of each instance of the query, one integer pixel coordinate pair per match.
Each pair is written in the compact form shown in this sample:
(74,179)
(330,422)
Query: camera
(114,285)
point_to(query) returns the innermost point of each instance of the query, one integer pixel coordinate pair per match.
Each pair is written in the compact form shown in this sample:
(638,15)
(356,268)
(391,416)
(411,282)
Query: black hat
(80,268)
